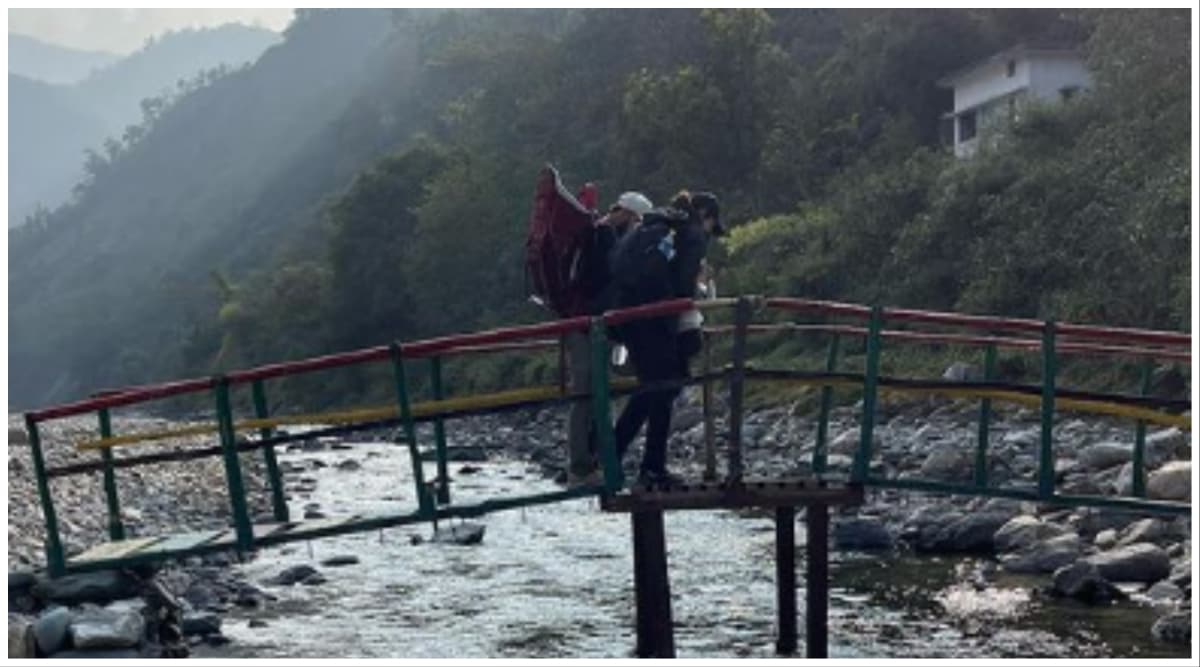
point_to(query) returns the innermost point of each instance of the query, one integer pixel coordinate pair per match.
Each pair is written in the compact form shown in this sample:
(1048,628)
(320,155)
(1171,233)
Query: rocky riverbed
(999,568)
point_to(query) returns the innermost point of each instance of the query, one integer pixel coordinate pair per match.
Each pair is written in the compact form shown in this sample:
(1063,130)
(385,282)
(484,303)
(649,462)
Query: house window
(1012,68)
(966,126)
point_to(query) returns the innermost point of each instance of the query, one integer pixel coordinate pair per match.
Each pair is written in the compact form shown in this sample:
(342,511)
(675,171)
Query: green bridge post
(424,498)
(274,477)
(439,433)
(737,389)
(56,561)
(116,530)
(1046,451)
(985,420)
(602,408)
(233,467)
(1139,442)
(821,451)
(862,459)
(710,428)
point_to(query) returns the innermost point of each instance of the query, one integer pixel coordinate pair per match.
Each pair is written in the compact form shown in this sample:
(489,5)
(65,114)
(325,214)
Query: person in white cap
(623,215)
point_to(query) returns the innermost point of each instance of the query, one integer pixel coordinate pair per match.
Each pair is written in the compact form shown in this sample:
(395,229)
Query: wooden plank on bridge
(748,493)
(115,550)
(183,542)
(314,526)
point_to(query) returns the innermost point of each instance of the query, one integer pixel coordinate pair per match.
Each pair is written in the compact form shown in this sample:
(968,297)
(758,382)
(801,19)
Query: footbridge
(857,340)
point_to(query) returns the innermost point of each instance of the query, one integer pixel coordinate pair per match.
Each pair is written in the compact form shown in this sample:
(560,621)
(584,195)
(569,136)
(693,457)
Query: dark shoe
(662,479)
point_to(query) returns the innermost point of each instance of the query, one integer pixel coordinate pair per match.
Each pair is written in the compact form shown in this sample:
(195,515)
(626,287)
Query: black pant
(654,351)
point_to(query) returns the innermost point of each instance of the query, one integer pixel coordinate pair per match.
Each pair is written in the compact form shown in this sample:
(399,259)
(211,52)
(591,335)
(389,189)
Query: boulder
(201,596)
(292,575)
(1123,484)
(349,465)
(864,533)
(962,372)
(201,624)
(1029,437)
(50,629)
(1106,539)
(1024,531)
(99,587)
(1044,557)
(1165,591)
(1145,530)
(1181,574)
(971,533)
(1082,580)
(1092,520)
(949,462)
(1167,444)
(1103,455)
(1175,628)
(20,637)
(1136,562)
(847,442)
(1171,482)
(107,628)
(17,436)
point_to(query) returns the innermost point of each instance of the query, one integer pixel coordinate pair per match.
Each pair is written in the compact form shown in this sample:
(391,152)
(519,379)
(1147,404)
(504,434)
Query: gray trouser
(579,456)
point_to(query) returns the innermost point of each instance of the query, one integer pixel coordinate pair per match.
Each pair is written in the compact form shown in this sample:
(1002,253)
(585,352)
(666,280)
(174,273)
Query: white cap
(635,201)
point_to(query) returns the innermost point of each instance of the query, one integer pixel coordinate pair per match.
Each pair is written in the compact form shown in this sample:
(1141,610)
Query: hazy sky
(125,30)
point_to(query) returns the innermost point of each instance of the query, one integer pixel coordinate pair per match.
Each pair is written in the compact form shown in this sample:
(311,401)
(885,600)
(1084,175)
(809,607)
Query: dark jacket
(658,261)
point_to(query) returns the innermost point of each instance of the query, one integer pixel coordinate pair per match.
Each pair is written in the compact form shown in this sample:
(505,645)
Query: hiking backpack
(557,246)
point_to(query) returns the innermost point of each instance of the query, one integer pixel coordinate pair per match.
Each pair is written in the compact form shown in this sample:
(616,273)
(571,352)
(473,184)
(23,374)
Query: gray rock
(201,596)
(256,623)
(1164,445)
(21,640)
(1046,556)
(1164,591)
(1123,485)
(862,534)
(107,628)
(1082,580)
(314,579)
(1106,539)
(1029,437)
(971,533)
(686,418)
(98,587)
(1136,562)
(1171,482)
(50,629)
(201,624)
(339,561)
(463,534)
(847,442)
(349,465)
(292,575)
(1175,628)
(1145,530)
(1181,574)
(962,372)
(1103,455)
(1024,531)
(1092,520)
(19,582)
(948,462)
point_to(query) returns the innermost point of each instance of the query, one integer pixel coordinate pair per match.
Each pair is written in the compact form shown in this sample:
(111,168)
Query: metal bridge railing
(1053,341)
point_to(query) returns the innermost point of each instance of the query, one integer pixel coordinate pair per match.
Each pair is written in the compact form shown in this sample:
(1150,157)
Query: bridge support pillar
(652,587)
(817,580)
(785,578)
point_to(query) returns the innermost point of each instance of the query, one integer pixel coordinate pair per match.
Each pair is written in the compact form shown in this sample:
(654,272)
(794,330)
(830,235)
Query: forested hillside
(370,179)
(51,126)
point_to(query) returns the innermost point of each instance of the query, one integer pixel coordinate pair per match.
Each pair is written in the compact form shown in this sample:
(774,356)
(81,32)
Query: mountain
(47,130)
(46,155)
(50,63)
(168,206)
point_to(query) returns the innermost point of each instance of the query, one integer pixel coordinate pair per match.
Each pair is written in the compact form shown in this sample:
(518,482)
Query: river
(556,581)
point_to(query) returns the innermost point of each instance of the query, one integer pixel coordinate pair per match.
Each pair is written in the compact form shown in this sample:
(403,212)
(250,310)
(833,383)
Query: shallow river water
(556,581)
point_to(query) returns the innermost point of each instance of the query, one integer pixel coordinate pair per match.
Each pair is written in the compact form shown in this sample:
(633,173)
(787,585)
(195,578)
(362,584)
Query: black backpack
(640,263)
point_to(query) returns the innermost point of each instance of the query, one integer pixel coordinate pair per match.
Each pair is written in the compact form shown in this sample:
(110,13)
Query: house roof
(1011,53)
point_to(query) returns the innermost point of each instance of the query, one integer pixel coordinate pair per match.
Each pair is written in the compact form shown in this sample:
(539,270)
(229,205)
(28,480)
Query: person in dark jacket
(622,215)
(660,260)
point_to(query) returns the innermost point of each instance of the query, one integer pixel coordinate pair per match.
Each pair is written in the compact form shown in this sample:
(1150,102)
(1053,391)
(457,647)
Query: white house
(991,90)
